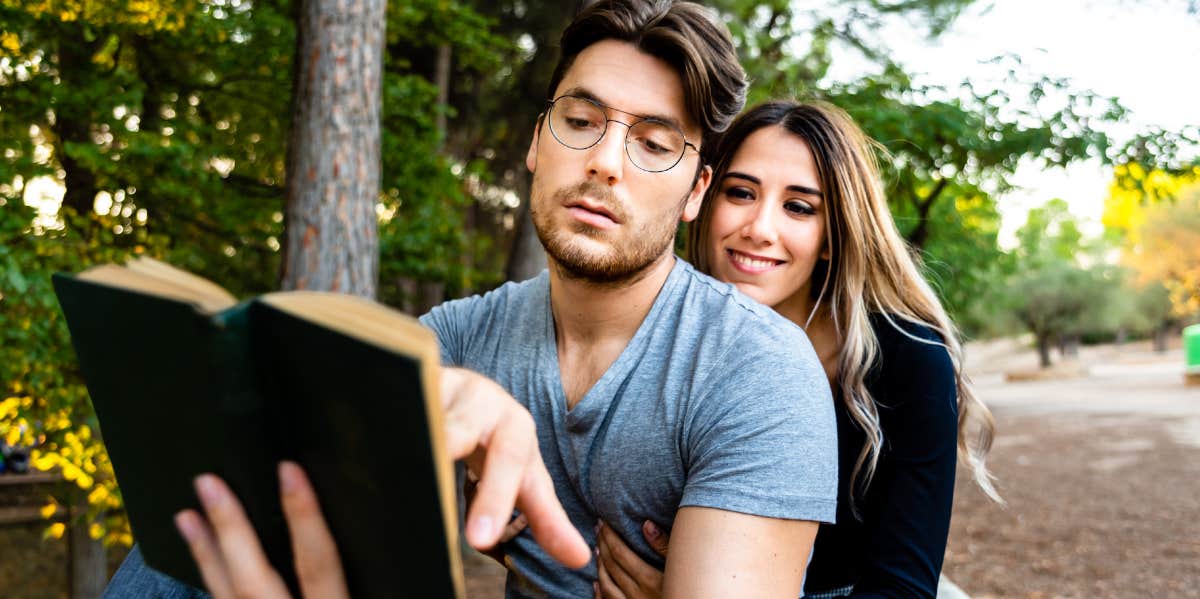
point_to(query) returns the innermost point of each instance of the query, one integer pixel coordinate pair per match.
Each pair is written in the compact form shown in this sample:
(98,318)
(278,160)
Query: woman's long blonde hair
(871,271)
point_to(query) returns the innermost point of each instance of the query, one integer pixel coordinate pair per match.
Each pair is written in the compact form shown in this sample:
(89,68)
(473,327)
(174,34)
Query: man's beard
(630,252)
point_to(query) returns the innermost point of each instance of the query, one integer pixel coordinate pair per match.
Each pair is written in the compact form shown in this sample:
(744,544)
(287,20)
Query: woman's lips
(750,263)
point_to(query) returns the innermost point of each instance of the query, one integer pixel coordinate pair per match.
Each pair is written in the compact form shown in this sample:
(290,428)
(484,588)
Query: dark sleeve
(906,512)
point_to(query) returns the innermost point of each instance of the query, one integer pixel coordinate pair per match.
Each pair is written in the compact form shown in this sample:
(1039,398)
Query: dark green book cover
(179,392)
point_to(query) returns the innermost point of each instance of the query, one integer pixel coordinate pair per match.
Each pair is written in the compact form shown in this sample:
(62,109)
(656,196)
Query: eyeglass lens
(652,145)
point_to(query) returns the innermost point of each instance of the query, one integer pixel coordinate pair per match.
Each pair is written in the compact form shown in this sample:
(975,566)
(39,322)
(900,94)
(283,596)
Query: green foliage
(171,141)
(43,403)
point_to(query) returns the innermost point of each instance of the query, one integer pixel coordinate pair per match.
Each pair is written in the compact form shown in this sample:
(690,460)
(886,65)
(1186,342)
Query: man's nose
(606,159)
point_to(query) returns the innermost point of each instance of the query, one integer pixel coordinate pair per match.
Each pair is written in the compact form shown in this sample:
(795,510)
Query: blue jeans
(134,579)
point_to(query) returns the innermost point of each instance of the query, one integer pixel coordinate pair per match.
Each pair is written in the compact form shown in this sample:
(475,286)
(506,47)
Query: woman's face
(767,229)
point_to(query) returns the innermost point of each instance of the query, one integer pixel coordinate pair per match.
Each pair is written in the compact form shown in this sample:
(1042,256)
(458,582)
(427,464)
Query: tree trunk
(72,124)
(527,257)
(920,234)
(1043,345)
(442,79)
(332,240)
(1160,338)
(89,568)
(1071,346)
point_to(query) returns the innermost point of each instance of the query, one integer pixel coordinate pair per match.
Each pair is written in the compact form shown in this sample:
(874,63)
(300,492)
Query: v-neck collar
(596,400)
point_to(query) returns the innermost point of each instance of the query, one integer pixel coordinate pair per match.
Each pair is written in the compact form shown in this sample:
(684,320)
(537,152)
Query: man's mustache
(599,194)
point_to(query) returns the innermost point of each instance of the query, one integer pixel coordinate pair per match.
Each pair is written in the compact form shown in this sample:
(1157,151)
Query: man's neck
(587,314)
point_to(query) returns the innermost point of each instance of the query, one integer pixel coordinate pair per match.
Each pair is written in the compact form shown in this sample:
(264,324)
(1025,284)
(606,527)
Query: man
(657,392)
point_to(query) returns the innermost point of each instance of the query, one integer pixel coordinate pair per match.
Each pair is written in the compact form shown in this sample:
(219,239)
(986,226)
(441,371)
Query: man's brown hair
(682,34)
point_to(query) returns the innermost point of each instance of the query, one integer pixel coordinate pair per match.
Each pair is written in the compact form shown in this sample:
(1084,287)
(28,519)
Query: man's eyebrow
(804,189)
(581,92)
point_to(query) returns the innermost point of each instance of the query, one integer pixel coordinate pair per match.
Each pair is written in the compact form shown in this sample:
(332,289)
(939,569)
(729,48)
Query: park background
(1059,223)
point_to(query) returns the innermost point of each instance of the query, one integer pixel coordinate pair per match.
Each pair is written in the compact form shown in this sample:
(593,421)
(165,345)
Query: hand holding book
(484,425)
(346,388)
(231,558)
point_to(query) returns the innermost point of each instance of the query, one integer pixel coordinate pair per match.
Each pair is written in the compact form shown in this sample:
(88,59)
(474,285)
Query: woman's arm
(906,510)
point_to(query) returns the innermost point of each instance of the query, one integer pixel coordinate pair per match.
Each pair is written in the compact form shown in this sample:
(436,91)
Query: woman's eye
(739,193)
(798,207)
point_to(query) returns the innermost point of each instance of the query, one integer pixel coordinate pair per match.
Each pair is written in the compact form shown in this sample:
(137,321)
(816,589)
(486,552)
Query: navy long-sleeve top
(895,546)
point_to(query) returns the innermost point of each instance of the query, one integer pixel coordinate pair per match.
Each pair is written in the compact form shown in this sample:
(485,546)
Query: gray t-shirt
(717,402)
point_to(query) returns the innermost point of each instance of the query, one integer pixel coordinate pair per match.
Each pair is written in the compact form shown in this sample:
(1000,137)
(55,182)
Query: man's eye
(654,147)
(579,123)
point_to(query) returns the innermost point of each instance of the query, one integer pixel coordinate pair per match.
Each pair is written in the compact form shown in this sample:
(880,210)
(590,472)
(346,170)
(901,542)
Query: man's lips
(751,263)
(593,213)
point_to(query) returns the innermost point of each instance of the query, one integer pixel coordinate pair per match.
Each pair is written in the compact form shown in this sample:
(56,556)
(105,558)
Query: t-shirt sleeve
(451,321)
(762,440)
(907,516)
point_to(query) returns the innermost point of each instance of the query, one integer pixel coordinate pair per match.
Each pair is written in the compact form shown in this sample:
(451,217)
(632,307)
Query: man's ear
(531,155)
(692,208)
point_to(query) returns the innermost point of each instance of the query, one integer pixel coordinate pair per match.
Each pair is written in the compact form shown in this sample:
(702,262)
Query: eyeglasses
(652,145)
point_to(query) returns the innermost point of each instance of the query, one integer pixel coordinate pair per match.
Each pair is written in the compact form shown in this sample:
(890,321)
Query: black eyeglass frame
(604,109)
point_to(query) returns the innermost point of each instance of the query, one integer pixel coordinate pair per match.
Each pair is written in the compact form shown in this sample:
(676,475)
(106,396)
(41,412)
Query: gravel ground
(1102,478)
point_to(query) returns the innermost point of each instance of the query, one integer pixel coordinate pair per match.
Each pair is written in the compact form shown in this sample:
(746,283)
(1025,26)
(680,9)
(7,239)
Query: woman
(796,219)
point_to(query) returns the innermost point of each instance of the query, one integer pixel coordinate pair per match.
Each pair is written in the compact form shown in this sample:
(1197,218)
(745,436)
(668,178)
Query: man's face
(600,217)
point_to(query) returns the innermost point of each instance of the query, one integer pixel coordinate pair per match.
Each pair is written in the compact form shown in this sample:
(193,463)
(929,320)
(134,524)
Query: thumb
(656,537)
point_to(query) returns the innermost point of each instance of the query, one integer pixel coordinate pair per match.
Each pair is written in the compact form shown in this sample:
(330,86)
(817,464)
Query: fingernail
(289,477)
(208,491)
(652,529)
(187,525)
(482,530)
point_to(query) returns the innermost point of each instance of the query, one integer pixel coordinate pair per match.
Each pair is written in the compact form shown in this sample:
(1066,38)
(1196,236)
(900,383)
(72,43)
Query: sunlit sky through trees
(1144,52)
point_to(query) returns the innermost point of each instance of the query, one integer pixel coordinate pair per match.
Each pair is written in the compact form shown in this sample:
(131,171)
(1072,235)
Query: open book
(185,379)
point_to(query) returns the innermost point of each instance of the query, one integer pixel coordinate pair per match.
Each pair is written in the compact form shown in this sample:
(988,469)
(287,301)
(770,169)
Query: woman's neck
(822,333)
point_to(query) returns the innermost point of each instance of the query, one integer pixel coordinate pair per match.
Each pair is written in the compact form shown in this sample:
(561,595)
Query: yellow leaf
(97,495)
(95,531)
(45,462)
(49,509)
(55,531)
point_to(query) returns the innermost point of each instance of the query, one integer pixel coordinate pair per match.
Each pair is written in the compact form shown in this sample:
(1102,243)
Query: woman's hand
(623,575)
(230,557)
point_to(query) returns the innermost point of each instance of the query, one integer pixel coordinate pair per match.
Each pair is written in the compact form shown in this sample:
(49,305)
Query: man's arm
(719,553)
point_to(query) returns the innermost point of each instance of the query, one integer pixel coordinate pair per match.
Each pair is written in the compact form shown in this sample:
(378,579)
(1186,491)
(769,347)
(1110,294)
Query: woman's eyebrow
(805,190)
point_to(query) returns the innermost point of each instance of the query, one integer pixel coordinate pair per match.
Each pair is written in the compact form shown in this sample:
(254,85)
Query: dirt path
(1102,478)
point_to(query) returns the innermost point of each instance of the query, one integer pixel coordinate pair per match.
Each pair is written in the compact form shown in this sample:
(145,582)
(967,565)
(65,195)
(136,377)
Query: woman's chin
(757,293)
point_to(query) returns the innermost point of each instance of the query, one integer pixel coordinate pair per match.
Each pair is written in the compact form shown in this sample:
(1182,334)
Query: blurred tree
(1060,290)
(166,123)
(333,159)
(1167,252)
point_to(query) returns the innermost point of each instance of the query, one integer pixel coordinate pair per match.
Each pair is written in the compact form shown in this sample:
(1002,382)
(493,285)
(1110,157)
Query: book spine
(251,451)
